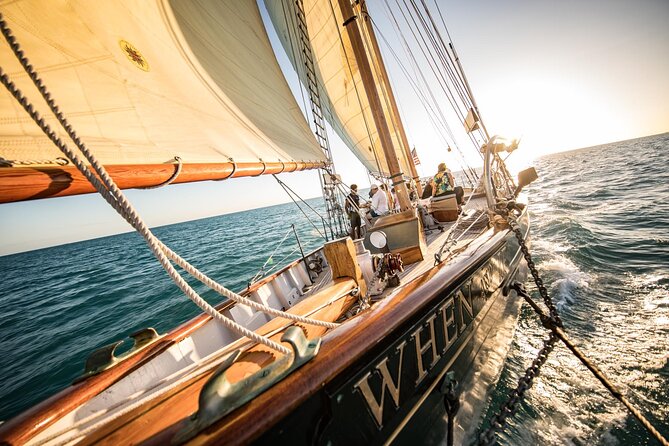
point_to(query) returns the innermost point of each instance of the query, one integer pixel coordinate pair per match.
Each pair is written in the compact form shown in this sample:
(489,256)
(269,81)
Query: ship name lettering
(422,348)
(376,407)
(448,320)
(464,304)
(426,350)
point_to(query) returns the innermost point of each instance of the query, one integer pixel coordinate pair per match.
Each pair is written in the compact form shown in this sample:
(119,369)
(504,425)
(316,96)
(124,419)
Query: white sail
(345,103)
(144,81)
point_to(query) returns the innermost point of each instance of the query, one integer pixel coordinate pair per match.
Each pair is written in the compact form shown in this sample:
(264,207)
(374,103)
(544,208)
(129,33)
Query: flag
(414,155)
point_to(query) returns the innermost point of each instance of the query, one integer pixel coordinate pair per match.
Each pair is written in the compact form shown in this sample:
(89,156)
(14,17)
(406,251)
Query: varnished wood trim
(167,410)
(23,427)
(340,349)
(30,183)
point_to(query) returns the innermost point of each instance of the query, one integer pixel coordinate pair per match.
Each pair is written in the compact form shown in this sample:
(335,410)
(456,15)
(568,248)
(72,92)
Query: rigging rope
(288,191)
(428,35)
(553,323)
(437,116)
(269,259)
(110,192)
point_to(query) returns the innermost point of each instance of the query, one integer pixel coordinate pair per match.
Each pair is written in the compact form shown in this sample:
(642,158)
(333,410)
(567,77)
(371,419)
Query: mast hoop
(401,180)
(234,169)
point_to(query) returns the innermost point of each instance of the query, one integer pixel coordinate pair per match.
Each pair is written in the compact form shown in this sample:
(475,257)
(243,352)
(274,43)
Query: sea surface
(600,238)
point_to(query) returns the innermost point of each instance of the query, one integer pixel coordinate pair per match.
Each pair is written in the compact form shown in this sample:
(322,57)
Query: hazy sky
(560,74)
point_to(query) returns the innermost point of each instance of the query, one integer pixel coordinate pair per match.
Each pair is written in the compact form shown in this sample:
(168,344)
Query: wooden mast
(391,96)
(30,183)
(375,103)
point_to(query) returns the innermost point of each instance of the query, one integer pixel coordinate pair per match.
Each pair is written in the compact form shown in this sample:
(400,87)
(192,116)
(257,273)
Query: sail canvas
(145,81)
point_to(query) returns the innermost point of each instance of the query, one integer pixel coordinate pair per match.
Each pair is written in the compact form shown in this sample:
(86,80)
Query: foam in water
(604,261)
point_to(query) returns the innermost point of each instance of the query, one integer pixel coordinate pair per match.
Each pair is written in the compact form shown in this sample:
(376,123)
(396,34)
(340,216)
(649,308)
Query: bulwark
(379,396)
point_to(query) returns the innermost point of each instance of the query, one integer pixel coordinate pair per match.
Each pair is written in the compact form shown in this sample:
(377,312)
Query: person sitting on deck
(379,204)
(443,184)
(427,190)
(352,207)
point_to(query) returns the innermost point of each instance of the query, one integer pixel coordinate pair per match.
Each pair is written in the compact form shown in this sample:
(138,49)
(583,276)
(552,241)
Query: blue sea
(600,237)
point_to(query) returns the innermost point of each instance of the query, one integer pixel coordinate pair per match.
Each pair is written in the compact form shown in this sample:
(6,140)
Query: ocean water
(600,238)
(600,233)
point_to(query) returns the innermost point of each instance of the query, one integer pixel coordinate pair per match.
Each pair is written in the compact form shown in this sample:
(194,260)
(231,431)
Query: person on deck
(379,204)
(395,200)
(352,206)
(443,184)
(427,190)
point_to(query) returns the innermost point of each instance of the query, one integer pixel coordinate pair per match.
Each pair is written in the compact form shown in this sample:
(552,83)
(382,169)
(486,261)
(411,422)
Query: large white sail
(144,81)
(346,105)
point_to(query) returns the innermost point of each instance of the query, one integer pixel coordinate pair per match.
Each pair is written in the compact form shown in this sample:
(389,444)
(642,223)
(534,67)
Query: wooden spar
(374,102)
(397,121)
(30,183)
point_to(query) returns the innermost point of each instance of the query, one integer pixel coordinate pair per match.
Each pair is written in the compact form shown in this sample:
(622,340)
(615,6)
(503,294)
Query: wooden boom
(31,183)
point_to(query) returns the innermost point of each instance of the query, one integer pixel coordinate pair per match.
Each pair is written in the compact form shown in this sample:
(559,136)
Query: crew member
(379,204)
(443,184)
(352,206)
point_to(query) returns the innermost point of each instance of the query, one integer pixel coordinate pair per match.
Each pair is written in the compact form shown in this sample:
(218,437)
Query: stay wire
(290,193)
(484,131)
(440,79)
(269,259)
(440,117)
(440,50)
(430,36)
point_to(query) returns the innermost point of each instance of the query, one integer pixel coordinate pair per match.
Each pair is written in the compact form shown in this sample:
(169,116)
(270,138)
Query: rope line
(59,161)
(262,268)
(290,193)
(110,192)
(559,333)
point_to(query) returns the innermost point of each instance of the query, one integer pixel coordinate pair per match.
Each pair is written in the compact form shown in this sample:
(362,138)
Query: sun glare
(551,115)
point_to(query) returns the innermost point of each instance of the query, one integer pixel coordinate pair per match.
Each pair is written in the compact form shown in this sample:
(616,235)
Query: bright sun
(551,115)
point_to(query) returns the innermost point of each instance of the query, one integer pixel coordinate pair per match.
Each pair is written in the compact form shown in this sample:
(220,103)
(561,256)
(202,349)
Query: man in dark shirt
(352,206)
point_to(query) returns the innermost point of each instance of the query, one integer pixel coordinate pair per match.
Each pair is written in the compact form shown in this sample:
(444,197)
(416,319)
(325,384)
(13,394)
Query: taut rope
(113,195)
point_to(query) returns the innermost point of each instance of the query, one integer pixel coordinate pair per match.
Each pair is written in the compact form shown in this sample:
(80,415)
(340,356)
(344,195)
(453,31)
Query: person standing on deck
(379,204)
(352,207)
(395,200)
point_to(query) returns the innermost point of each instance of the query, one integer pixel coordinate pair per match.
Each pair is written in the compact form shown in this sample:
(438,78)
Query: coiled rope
(113,195)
